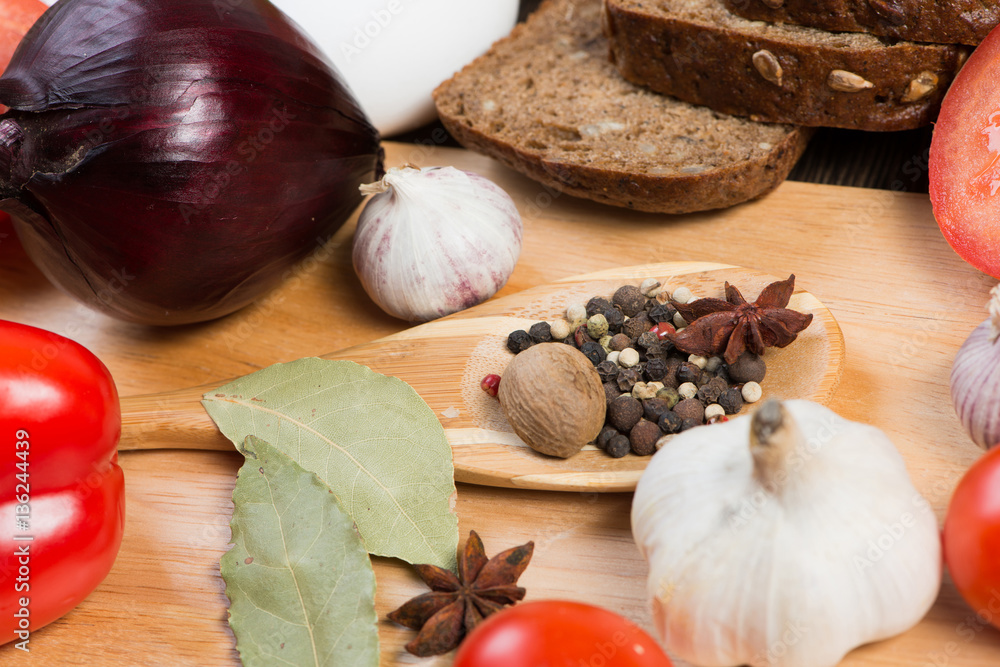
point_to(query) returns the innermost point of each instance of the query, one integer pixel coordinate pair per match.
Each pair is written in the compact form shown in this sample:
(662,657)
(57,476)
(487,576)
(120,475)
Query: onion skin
(975,386)
(168,161)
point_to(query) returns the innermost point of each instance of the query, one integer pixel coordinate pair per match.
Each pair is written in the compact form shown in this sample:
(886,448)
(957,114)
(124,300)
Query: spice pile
(669,362)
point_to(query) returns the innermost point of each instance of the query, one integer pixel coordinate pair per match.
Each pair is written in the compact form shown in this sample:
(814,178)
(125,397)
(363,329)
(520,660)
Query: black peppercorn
(518,341)
(731,400)
(607,370)
(594,352)
(637,325)
(670,422)
(691,408)
(615,319)
(630,299)
(605,435)
(670,377)
(624,412)
(597,304)
(748,367)
(688,372)
(652,408)
(643,437)
(618,446)
(712,390)
(627,377)
(647,340)
(655,370)
(611,391)
(689,423)
(662,312)
(540,332)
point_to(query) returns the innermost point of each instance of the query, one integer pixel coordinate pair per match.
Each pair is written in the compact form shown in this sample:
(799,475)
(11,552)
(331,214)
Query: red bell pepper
(62,493)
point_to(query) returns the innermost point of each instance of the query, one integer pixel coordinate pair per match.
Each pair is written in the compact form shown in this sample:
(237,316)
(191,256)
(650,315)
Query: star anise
(456,604)
(729,326)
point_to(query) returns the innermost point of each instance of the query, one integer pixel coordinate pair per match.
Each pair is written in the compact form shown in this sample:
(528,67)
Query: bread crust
(743,171)
(873,86)
(953,22)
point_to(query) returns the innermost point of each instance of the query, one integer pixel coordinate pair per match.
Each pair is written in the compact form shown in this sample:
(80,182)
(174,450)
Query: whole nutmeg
(553,399)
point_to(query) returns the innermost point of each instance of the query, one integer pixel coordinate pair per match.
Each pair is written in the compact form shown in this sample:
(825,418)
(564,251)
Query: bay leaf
(300,583)
(370,437)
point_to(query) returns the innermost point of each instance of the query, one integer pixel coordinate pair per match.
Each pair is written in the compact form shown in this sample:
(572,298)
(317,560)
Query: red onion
(975,379)
(170,160)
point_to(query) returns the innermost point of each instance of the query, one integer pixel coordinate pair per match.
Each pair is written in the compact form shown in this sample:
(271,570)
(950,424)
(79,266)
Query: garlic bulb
(434,241)
(783,539)
(975,379)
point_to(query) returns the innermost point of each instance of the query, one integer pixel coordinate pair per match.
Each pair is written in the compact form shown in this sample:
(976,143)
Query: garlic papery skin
(784,538)
(435,241)
(975,379)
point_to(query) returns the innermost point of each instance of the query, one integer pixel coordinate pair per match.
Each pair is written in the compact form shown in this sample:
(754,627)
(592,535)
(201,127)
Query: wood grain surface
(876,259)
(445,360)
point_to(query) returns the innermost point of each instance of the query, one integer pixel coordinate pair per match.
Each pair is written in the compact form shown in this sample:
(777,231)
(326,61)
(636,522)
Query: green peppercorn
(670,395)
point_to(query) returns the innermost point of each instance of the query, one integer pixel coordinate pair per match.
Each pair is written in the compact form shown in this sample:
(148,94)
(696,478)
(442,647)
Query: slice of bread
(547,102)
(953,22)
(702,53)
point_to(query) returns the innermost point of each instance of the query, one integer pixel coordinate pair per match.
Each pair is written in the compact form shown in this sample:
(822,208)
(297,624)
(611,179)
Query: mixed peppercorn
(652,387)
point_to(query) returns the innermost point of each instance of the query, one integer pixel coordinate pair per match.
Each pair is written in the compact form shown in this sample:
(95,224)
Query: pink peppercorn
(491,384)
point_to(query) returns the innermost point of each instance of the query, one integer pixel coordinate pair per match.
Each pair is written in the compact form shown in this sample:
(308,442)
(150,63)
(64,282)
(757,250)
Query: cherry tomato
(964,165)
(559,633)
(972,537)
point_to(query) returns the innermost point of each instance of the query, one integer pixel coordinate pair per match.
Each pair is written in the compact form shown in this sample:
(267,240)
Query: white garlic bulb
(435,241)
(783,539)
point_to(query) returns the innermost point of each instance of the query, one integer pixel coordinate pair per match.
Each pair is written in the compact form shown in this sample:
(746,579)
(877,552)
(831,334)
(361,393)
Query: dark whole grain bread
(547,102)
(700,52)
(953,22)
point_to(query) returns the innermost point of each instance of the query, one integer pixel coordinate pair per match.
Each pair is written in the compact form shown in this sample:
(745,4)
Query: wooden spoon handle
(170,420)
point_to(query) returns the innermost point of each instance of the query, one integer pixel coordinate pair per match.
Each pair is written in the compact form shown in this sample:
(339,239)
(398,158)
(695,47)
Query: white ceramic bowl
(393,53)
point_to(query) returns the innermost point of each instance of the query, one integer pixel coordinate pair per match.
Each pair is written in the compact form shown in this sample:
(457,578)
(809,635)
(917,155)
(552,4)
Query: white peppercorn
(613,356)
(688,390)
(628,357)
(650,287)
(560,329)
(713,411)
(713,364)
(752,392)
(576,315)
(644,390)
(682,295)
(679,321)
(605,342)
(698,360)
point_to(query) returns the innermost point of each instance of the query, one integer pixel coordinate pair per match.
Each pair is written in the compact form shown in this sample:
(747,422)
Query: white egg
(393,53)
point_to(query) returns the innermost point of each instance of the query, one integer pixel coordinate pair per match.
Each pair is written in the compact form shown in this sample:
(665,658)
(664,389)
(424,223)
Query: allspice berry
(689,408)
(748,367)
(629,299)
(553,399)
(624,412)
(643,437)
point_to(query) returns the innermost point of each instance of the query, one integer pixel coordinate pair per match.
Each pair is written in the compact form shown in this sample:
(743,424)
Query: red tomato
(964,167)
(62,497)
(559,633)
(972,537)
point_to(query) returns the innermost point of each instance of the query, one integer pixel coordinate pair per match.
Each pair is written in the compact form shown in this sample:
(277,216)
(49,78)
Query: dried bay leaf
(300,583)
(370,437)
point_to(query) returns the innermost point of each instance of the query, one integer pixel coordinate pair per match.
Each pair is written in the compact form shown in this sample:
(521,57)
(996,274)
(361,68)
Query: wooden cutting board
(445,360)
(904,302)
